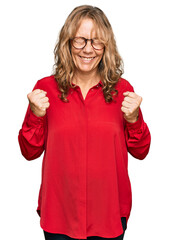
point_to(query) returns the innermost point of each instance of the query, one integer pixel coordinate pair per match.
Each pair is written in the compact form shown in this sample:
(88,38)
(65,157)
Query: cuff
(136,125)
(34,120)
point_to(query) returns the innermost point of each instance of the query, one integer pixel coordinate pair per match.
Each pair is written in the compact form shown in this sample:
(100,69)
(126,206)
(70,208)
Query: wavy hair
(111,64)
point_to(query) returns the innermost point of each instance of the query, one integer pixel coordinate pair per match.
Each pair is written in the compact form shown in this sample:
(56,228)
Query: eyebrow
(88,38)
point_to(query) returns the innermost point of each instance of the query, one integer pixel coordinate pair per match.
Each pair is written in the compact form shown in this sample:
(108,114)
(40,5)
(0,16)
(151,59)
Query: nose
(88,47)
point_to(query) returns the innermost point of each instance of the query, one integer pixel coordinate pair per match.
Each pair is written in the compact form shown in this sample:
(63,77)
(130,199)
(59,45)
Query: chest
(86,107)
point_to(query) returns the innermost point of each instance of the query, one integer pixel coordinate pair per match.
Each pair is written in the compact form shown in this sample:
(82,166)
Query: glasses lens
(97,44)
(78,42)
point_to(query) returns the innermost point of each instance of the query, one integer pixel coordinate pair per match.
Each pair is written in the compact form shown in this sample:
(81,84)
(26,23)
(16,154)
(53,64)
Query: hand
(130,106)
(38,102)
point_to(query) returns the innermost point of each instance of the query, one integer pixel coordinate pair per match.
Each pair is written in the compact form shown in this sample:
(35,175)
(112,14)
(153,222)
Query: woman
(85,118)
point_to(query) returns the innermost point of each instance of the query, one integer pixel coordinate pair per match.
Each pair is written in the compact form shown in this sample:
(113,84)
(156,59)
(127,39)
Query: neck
(86,79)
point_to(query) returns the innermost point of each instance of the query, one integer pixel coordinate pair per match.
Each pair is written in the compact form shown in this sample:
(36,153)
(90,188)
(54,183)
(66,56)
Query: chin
(86,69)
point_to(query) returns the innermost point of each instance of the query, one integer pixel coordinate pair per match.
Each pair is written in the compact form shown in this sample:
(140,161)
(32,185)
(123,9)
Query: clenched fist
(38,102)
(130,106)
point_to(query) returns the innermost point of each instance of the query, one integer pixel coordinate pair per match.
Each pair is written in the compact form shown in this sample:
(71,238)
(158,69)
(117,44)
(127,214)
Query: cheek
(74,57)
(100,57)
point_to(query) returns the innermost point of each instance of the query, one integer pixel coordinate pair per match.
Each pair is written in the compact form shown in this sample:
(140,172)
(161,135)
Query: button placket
(91,92)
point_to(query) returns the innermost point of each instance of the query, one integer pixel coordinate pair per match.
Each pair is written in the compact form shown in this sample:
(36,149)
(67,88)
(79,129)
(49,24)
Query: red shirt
(85,186)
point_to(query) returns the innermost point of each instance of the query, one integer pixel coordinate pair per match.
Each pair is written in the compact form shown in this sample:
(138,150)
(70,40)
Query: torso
(84,142)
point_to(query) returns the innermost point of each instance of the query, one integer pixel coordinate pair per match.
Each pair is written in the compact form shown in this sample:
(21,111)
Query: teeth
(85,58)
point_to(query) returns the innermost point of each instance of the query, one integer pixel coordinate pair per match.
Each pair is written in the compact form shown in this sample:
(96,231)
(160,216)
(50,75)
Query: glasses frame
(86,40)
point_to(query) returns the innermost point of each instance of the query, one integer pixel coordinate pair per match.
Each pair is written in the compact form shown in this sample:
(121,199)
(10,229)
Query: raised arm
(137,134)
(34,128)
(138,137)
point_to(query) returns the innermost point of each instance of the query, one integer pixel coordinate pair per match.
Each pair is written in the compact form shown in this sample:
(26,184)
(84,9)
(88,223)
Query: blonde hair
(111,64)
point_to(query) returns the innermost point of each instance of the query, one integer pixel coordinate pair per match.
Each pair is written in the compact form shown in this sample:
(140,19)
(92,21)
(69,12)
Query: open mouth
(87,58)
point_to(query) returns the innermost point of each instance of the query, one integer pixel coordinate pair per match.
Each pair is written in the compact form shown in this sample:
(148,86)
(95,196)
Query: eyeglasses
(81,42)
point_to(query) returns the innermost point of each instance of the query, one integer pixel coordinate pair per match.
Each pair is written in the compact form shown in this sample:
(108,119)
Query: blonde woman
(85,118)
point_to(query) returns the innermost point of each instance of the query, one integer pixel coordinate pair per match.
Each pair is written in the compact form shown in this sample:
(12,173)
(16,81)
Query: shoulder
(124,85)
(46,82)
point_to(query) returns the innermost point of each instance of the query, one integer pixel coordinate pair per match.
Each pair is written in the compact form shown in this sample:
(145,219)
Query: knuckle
(126,99)
(44,93)
(47,105)
(37,90)
(28,95)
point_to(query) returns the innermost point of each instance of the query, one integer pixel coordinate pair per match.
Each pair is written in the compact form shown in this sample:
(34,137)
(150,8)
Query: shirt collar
(100,83)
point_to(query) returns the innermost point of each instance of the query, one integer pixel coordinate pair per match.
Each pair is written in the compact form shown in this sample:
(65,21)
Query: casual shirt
(85,187)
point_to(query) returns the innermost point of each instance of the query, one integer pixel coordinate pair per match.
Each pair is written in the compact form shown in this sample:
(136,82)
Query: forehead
(87,28)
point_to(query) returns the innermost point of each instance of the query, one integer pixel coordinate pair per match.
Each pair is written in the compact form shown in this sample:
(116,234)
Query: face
(86,60)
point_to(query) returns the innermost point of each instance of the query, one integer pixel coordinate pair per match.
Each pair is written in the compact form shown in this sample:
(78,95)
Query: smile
(87,58)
